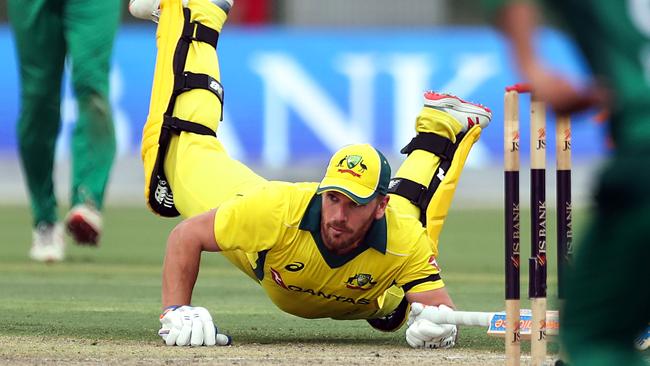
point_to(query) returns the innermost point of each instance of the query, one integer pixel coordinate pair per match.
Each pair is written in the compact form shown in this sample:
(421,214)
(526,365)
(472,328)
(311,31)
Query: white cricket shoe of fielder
(466,113)
(47,243)
(84,224)
(150,9)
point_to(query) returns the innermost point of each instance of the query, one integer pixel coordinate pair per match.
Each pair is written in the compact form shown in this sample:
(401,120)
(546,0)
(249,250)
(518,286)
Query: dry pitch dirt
(52,351)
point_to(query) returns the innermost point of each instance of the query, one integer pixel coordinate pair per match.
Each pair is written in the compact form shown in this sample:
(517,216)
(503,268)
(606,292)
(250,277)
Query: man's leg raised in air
(424,185)
(187,90)
(184,114)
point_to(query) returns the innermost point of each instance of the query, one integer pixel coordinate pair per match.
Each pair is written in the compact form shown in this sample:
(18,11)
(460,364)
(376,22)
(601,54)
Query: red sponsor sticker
(434,263)
(277,278)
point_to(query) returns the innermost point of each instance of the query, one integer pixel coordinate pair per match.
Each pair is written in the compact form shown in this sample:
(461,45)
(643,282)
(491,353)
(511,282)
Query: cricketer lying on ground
(407,258)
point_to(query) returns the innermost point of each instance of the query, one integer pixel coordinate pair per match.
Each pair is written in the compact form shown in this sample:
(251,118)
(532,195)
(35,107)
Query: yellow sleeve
(253,222)
(421,272)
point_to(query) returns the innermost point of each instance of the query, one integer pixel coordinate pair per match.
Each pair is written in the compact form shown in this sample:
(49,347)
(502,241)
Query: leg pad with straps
(160,197)
(434,200)
(438,206)
(416,193)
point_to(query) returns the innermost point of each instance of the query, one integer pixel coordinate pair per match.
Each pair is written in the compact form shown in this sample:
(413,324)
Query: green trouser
(608,292)
(45,32)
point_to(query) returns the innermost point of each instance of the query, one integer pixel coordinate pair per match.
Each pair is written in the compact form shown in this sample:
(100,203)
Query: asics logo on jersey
(353,165)
(294,267)
(360,281)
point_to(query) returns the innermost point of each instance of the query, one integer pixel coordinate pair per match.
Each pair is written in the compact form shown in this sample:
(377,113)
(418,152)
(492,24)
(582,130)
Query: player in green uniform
(607,302)
(357,245)
(46,32)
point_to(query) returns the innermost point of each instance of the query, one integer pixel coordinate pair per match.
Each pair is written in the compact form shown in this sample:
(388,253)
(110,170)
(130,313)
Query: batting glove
(190,326)
(422,332)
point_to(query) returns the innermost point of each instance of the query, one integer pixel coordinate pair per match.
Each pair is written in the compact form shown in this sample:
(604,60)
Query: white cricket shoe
(150,9)
(47,243)
(84,224)
(466,113)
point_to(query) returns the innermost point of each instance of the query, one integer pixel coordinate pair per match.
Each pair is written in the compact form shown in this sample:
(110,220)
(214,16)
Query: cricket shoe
(47,243)
(150,9)
(392,321)
(466,113)
(84,224)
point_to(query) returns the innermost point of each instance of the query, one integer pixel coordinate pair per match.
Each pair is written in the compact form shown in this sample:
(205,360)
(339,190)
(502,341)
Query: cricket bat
(496,322)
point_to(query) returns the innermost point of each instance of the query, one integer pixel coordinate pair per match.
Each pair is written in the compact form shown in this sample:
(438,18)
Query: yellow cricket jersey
(278,226)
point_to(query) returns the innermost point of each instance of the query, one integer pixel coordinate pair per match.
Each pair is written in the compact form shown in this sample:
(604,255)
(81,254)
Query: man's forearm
(180,268)
(183,256)
(434,297)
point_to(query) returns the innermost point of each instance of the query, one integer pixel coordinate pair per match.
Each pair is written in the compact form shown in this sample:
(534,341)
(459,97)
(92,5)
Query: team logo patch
(278,279)
(353,165)
(360,281)
(434,263)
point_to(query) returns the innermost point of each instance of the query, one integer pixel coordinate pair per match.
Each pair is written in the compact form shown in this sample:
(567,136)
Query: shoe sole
(450,101)
(47,260)
(82,232)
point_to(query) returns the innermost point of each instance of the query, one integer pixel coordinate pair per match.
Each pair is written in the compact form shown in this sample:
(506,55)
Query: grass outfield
(110,296)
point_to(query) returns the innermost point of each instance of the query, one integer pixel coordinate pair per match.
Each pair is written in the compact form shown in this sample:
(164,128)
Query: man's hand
(519,21)
(423,333)
(190,326)
(560,94)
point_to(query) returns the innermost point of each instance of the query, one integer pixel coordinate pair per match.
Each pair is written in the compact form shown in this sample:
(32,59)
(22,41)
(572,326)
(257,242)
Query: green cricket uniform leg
(90,28)
(37,28)
(608,301)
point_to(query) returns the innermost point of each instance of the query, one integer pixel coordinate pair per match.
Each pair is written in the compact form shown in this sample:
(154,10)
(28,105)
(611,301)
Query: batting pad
(441,201)
(420,166)
(189,105)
